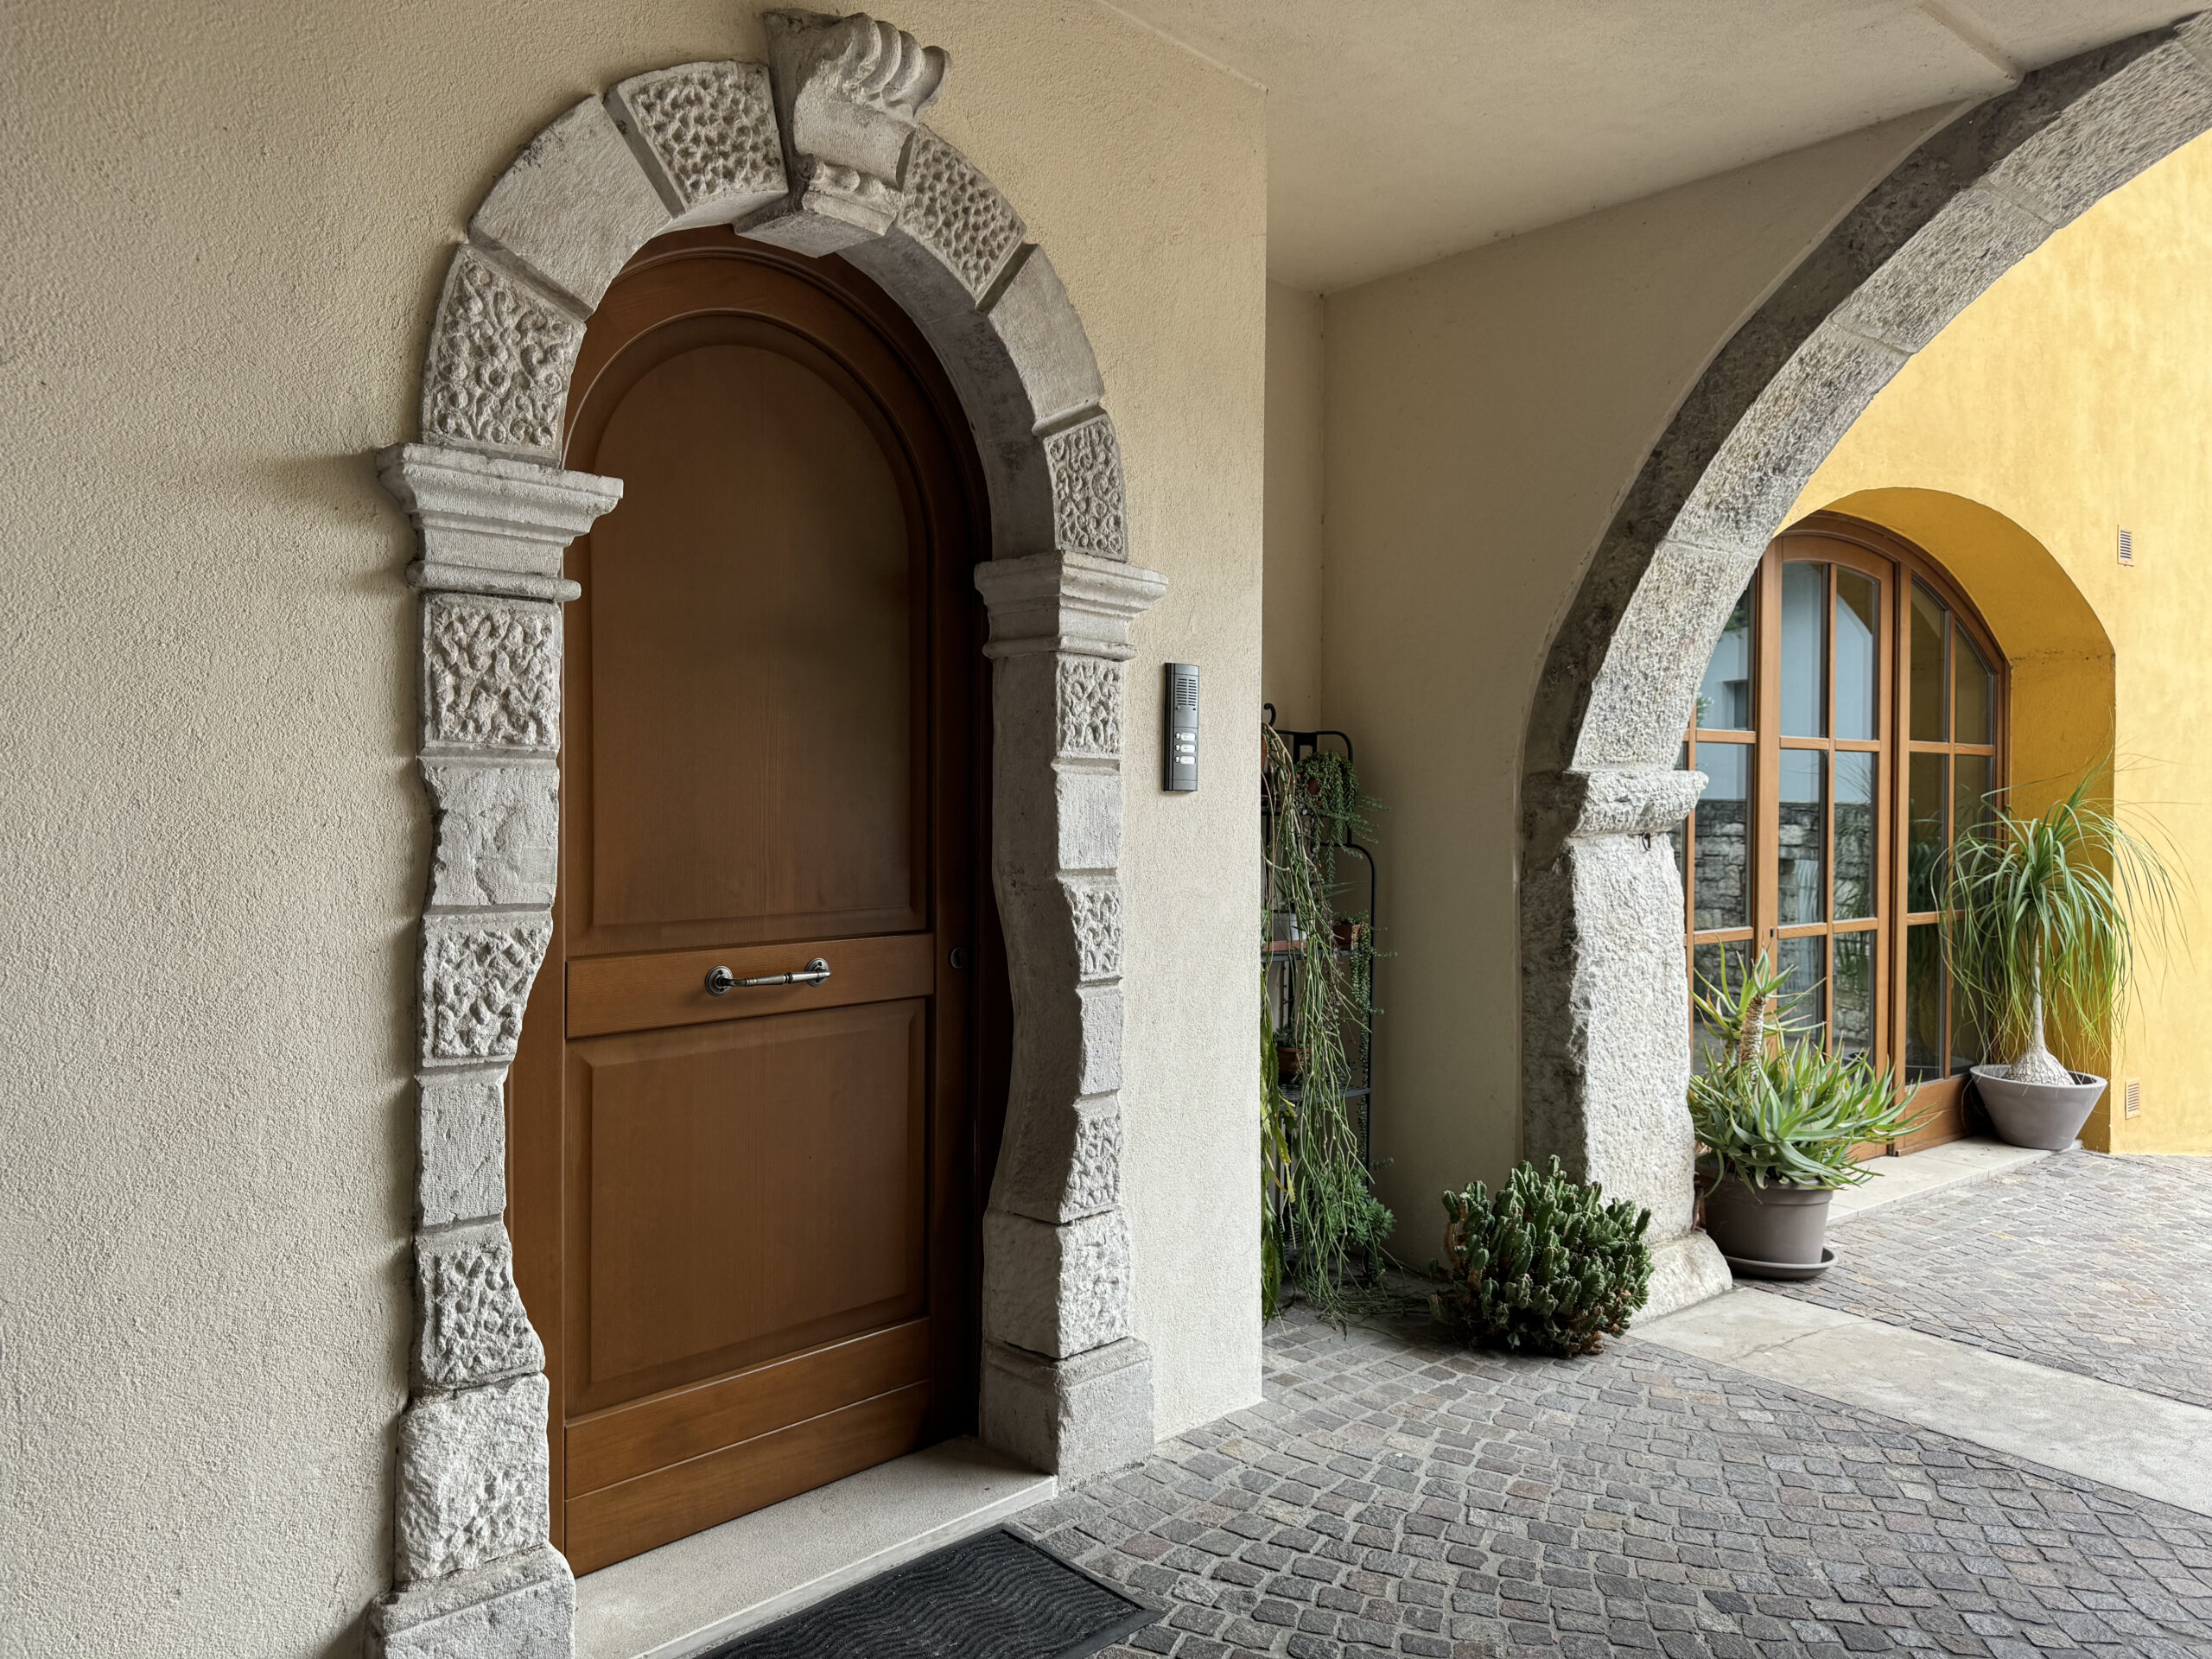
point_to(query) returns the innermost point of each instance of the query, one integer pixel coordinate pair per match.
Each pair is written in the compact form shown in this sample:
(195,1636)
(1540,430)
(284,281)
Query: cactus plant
(1548,1265)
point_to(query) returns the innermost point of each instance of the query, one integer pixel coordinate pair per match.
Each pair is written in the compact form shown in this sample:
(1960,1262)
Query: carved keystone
(848,93)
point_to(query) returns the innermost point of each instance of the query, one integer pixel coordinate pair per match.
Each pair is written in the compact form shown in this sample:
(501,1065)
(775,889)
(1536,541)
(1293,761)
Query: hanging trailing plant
(1322,1226)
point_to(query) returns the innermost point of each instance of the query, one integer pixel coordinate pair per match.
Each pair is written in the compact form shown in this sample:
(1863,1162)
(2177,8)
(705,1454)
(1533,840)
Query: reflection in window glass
(1724,698)
(1800,852)
(1854,836)
(1924,838)
(1970,804)
(1968,1046)
(1804,649)
(1923,1003)
(1928,722)
(1805,962)
(1976,689)
(1854,993)
(1721,877)
(1706,961)
(1858,599)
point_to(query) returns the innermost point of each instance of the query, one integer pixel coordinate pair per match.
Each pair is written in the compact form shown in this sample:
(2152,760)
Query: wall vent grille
(2133,1098)
(2126,546)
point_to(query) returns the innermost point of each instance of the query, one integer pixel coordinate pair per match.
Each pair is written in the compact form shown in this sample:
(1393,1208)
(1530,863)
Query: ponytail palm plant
(2041,917)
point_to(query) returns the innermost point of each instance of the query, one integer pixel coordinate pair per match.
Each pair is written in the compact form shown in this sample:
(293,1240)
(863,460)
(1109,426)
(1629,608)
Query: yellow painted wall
(2074,398)
(224,226)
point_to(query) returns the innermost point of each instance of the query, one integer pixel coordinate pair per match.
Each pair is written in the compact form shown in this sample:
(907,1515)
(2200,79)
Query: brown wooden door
(743,1221)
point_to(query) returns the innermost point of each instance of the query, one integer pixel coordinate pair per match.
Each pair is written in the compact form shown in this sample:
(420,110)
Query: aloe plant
(1774,1105)
(2041,916)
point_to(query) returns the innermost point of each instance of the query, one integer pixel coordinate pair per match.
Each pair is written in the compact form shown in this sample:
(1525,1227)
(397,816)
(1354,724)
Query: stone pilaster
(475,1574)
(1065,1383)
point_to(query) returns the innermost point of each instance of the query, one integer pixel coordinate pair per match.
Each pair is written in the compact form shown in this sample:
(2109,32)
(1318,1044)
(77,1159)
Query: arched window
(1851,721)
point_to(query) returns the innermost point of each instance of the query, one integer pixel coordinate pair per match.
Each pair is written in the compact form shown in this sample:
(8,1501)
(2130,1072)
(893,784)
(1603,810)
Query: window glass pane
(1854,836)
(1724,699)
(1804,649)
(1858,602)
(1706,963)
(1854,993)
(1925,839)
(1928,722)
(1923,1003)
(1976,691)
(1805,965)
(1723,823)
(1800,849)
(1968,1046)
(1970,806)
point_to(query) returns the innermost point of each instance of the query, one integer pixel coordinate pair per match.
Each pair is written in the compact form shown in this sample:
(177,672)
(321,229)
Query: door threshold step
(1953,1164)
(684,1598)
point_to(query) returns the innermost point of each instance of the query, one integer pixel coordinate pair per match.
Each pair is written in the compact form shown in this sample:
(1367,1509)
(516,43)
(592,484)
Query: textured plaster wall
(225,225)
(1292,665)
(1485,415)
(2074,398)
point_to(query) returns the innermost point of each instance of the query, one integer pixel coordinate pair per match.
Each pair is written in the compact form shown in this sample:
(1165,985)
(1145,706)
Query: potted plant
(1778,1117)
(2040,915)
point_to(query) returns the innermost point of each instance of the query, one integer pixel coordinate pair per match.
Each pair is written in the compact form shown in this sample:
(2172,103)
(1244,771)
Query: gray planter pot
(2045,1115)
(1772,1225)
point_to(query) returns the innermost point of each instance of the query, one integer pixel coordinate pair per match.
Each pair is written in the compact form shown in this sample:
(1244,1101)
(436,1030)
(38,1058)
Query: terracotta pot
(1770,1226)
(2045,1115)
(1290,1061)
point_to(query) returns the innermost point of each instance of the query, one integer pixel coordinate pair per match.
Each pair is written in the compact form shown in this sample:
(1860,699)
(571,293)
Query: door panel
(745,1222)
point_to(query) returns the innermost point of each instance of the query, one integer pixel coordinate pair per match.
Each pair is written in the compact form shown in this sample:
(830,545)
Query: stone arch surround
(1604,1018)
(822,151)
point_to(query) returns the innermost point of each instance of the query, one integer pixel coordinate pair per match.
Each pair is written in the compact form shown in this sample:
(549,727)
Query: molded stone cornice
(1065,601)
(490,526)
(1561,806)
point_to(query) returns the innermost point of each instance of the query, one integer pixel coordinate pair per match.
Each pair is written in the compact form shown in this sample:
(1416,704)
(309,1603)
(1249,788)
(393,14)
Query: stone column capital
(490,526)
(1562,806)
(1069,602)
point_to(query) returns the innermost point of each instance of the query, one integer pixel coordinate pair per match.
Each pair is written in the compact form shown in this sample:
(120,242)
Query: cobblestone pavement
(2083,1262)
(1395,1496)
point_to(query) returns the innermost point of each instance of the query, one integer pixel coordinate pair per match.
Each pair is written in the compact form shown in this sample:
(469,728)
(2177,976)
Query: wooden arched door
(744,1212)
(1851,723)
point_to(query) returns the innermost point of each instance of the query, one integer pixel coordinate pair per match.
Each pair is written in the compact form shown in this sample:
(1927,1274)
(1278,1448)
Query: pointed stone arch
(822,151)
(1605,1015)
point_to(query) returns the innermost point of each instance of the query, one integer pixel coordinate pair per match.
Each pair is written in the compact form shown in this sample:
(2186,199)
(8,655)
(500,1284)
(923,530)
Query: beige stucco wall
(2074,398)
(1291,674)
(1485,415)
(225,227)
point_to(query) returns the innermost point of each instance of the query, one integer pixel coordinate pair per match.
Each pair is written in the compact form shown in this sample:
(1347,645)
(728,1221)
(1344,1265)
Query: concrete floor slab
(2140,1443)
(685,1598)
(1950,1164)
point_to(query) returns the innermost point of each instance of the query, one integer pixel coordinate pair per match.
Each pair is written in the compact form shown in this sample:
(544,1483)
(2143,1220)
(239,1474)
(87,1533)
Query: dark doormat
(994,1596)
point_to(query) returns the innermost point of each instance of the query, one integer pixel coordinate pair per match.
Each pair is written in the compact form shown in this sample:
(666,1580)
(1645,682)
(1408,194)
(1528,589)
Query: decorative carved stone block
(1056,1290)
(520,1608)
(476,976)
(469,1322)
(491,673)
(473,1478)
(951,209)
(574,207)
(849,92)
(706,133)
(1086,467)
(496,832)
(461,1159)
(1060,1160)
(1078,1417)
(490,526)
(1089,694)
(1095,908)
(500,355)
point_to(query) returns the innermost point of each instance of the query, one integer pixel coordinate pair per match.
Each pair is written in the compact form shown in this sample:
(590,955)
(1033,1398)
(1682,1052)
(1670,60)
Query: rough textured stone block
(501,352)
(469,1323)
(476,976)
(491,674)
(1045,340)
(473,1478)
(460,1160)
(574,207)
(1642,695)
(495,832)
(1944,267)
(1086,467)
(1060,1160)
(1685,1269)
(2112,131)
(1077,1417)
(1087,820)
(523,1607)
(1056,1290)
(951,209)
(706,136)
(491,525)
(1102,1017)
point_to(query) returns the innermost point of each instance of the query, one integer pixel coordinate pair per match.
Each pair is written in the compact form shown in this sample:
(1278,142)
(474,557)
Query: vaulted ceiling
(1399,130)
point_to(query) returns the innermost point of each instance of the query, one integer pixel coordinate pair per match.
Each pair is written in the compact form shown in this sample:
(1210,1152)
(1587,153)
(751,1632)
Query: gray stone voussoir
(1944,268)
(2110,133)
(706,136)
(573,207)
(522,1607)
(1082,1417)
(1046,343)
(470,1326)
(1056,1289)
(473,1480)
(501,351)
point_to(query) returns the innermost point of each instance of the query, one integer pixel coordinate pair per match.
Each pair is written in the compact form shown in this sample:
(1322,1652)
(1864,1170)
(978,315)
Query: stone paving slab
(1395,1495)
(2081,1261)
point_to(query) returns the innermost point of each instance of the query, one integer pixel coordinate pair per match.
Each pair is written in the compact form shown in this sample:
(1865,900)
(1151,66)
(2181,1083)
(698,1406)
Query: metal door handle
(720,980)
